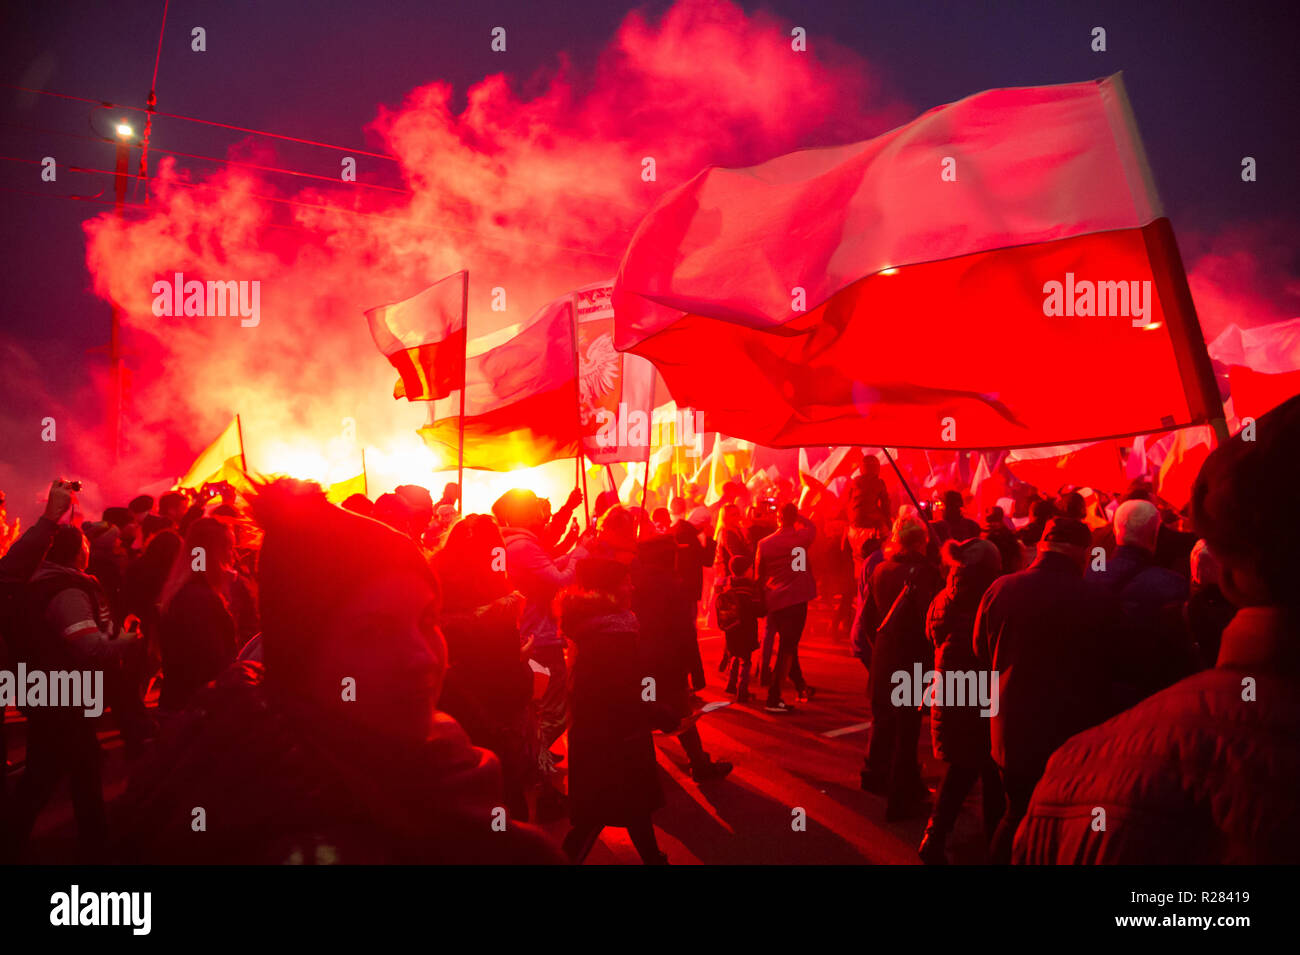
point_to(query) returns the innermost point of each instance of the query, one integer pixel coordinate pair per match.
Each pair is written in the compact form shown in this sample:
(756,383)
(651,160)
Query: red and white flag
(521,398)
(953,283)
(424,338)
(615,390)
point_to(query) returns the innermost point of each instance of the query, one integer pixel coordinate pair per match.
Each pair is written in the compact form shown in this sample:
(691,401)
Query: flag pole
(586,506)
(908,488)
(645,486)
(365,481)
(243,461)
(464,382)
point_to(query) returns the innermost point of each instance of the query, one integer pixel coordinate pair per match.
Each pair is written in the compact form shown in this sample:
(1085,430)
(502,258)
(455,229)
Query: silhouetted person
(788,585)
(959,732)
(900,591)
(613,771)
(1053,640)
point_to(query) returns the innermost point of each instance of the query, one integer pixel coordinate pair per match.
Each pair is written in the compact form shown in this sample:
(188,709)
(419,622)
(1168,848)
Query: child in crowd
(739,605)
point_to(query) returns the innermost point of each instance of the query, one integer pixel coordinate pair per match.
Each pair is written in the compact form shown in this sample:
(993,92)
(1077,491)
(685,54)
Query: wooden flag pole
(464,381)
(365,481)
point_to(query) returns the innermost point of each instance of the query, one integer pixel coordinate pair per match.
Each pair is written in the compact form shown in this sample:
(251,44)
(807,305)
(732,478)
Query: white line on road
(848,730)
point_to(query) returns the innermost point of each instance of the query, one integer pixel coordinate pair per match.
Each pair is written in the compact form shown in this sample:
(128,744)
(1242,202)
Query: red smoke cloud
(535,195)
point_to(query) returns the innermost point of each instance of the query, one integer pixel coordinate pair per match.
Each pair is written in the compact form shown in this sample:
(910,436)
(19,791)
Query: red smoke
(534,195)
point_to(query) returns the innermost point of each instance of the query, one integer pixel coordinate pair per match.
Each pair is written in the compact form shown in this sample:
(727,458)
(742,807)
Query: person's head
(69,548)
(1073,506)
(450,493)
(677,508)
(1064,535)
(871,466)
(359,504)
(393,511)
(609,577)
(604,501)
(1204,566)
(152,525)
(347,602)
(1137,524)
(1138,490)
(160,553)
(617,531)
(1043,510)
(521,508)
(739,565)
(140,506)
(472,563)
(788,515)
(119,517)
(420,502)
(208,554)
(661,519)
(974,563)
(444,515)
(952,505)
(909,534)
(995,518)
(1234,508)
(172,506)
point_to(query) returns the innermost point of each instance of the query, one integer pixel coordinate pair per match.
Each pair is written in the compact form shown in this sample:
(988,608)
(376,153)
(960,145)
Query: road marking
(848,730)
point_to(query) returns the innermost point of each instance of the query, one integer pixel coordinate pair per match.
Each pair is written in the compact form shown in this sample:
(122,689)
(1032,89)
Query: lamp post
(125,135)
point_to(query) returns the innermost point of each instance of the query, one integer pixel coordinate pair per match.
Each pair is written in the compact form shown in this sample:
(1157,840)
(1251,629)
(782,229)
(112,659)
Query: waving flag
(521,398)
(943,285)
(615,390)
(222,460)
(424,338)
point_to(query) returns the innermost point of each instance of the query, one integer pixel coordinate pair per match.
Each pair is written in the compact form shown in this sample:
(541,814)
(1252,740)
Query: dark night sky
(1210,83)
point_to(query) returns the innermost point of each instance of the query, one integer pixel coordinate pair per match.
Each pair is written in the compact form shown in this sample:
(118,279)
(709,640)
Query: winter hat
(975,554)
(1066,530)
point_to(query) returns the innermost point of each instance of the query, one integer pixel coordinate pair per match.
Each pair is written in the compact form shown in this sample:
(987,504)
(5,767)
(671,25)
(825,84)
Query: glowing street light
(125,131)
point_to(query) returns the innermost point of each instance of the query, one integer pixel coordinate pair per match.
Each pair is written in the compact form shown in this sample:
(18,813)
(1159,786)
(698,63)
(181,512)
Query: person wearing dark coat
(739,605)
(1151,599)
(1053,641)
(331,750)
(901,588)
(198,633)
(613,770)
(959,731)
(1207,771)
(665,617)
(488,686)
(1004,539)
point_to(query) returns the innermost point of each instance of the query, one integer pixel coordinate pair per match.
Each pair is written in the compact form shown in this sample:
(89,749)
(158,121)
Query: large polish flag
(937,286)
(521,397)
(424,339)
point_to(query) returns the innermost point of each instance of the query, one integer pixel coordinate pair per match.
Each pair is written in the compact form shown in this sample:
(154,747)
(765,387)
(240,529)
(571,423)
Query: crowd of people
(388,681)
